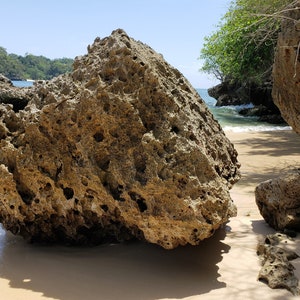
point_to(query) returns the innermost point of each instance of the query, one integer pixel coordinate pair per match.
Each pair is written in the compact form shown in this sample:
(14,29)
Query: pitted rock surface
(286,68)
(123,147)
(18,98)
(278,201)
(277,270)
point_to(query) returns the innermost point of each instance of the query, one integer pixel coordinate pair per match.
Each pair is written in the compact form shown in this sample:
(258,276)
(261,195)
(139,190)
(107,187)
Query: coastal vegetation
(17,67)
(243,46)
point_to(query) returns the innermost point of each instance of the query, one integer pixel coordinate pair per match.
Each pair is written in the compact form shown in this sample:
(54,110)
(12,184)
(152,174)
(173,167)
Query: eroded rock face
(121,148)
(277,270)
(279,201)
(286,69)
(18,98)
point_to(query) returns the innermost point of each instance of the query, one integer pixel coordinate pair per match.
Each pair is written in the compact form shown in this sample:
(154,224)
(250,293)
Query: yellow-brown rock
(121,148)
(286,68)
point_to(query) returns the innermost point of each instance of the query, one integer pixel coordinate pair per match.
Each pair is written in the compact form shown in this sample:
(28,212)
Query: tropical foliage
(242,48)
(32,67)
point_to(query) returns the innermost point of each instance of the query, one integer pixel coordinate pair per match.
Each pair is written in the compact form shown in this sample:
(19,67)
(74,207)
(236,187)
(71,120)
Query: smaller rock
(275,255)
(229,93)
(260,95)
(279,201)
(263,113)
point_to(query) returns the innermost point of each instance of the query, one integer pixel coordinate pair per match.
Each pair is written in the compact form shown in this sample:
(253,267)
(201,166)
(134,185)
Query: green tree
(15,69)
(36,67)
(30,66)
(59,66)
(242,48)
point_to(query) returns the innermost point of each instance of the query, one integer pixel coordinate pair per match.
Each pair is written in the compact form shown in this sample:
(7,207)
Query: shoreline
(263,155)
(225,265)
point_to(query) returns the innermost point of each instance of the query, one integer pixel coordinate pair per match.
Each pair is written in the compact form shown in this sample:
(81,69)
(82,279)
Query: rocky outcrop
(229,93)
(17,97)
(286,69)
(277,270)
(279,201)
(123,147)
(260,95)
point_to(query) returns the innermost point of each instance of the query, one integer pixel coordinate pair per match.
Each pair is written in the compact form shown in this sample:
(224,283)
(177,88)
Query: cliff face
(123,147)
(286,69)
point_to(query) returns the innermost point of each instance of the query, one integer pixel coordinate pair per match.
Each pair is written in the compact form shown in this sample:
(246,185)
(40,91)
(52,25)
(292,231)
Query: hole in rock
(208,221)
(104,163)
(142,205)
(141,178)
(26,196)
(90,197)
(114,189)
(17,103)
(140,162)
(267,241)
(116,192)
(175,129)
(68,192)
(48,186)
(106,107)
(141,202)
(192,137)
(263,280)
(12,207)
(98,137)
(149,126)
(104,207)
(58,171)
(12,124)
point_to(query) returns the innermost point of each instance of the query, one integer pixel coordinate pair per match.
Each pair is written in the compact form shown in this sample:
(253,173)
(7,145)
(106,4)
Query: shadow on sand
(132,271)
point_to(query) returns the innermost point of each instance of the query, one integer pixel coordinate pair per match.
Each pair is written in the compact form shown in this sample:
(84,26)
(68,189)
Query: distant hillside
(17,67)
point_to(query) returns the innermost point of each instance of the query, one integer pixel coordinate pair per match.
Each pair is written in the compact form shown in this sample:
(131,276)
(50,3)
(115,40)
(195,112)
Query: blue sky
(64,28)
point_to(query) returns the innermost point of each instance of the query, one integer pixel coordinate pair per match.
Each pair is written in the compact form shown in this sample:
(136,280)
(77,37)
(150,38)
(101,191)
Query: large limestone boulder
(286,68)
(279,201)
(121,148)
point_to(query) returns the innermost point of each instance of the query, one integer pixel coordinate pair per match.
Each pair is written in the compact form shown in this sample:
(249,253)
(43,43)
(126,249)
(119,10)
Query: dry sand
(222,267)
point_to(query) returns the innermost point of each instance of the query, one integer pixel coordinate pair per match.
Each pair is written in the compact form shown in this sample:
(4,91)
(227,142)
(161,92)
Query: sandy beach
(223,267)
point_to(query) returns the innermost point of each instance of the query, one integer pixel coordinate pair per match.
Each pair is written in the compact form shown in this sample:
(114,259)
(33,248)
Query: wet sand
(224,266)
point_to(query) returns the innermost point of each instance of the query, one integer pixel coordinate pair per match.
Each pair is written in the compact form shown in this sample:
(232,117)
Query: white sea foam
(230,119)
(255,128)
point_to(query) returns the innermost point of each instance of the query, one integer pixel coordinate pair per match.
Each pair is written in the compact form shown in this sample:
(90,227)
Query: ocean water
(231,120)
(227,116)
(22,83)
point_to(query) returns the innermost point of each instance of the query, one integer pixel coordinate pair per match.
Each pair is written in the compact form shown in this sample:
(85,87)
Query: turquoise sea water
(231,120)
(227,116)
